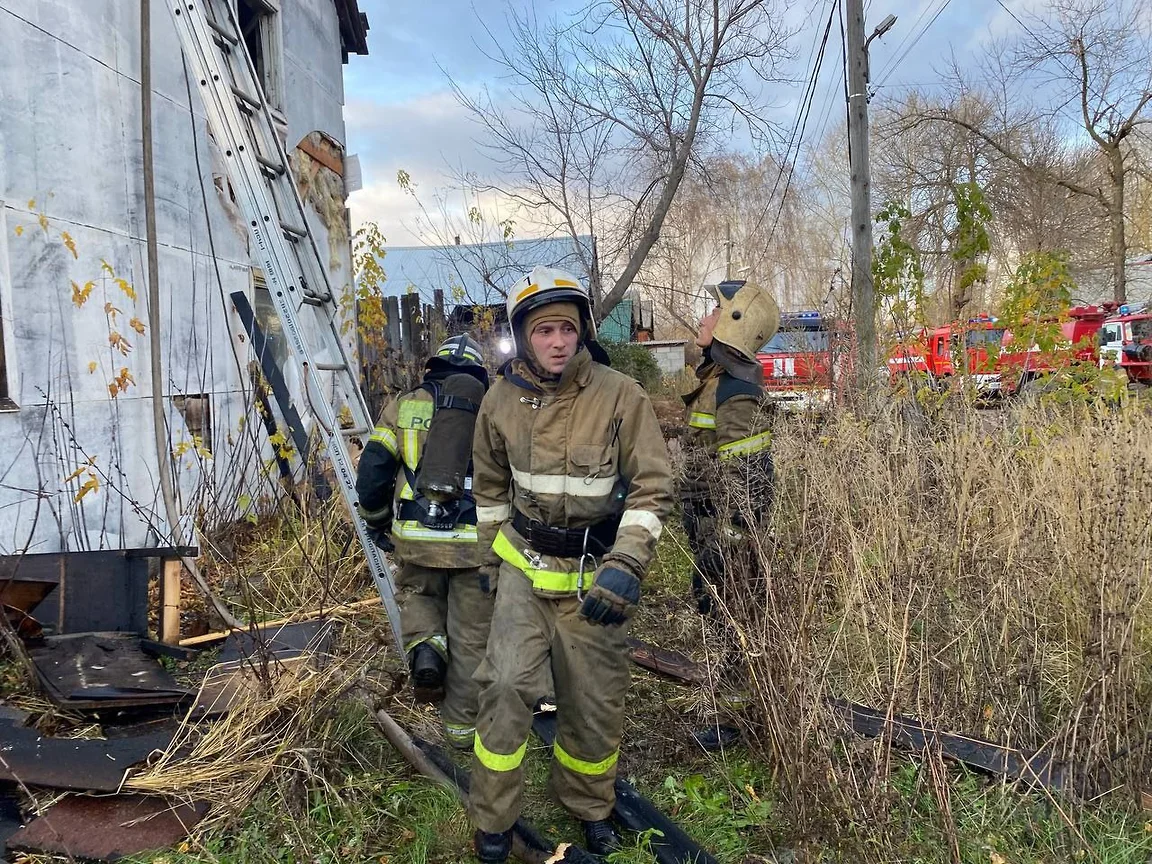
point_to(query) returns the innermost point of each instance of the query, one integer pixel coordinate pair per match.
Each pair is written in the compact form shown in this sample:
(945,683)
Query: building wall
(73,270)
(669,357)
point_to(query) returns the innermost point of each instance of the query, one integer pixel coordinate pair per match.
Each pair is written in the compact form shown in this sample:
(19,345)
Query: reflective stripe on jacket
(586,450)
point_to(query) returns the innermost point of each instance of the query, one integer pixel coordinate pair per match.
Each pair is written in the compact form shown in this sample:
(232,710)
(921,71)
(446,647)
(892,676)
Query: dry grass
(987,572)
(299,559)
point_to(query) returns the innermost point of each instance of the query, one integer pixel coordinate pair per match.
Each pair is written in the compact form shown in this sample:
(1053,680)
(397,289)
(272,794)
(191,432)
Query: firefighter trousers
(446,608)
(590,673)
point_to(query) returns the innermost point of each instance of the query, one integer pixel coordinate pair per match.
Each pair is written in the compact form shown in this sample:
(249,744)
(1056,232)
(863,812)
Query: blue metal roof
(476,274)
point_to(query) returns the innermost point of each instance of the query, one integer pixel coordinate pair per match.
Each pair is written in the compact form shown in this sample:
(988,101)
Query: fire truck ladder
(297,280)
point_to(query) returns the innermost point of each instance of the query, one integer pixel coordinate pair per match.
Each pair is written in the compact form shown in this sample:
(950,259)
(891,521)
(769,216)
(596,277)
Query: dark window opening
(268,320)
(249,14)
(259,28)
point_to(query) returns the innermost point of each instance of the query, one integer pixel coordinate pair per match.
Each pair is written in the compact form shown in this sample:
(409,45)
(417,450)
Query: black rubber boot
(428,667)
(492,848)
(601,838)
(717,737)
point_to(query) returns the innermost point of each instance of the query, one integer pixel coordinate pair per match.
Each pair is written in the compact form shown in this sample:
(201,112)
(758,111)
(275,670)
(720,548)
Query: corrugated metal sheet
(476,274)
(617,326)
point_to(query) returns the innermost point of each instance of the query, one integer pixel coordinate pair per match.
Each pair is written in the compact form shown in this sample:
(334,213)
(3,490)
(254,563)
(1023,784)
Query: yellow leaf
(91,367)
(106,267)
(43,220)
(80,295)
(90,485)
(997,858)
(77,473)
(113,390)
(137,325)
(19,230)
(119,342)
(126,287)
(109,309)
(69,243)
(31,203)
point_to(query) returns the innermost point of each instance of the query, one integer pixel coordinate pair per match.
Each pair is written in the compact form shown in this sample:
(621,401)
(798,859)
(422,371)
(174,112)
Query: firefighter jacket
(725,423)
(583,452)
(386,481)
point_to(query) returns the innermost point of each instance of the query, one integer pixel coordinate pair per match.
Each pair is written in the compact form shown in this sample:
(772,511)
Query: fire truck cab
(1126,341)
(800,362)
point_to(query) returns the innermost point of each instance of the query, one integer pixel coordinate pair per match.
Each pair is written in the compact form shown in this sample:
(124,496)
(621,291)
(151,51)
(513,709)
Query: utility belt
(567,542)
(444,517)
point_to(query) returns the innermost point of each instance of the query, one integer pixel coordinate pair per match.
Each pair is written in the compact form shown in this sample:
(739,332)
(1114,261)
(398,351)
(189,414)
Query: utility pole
(863,297)
(728,251)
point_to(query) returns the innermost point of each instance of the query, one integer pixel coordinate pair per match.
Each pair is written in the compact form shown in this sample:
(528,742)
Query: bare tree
(1094,58)
(605,117)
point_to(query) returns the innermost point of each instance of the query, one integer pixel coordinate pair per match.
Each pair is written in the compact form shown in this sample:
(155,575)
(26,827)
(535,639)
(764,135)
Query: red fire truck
(1126,341)
(1075,343)
(971,347)
(805,362)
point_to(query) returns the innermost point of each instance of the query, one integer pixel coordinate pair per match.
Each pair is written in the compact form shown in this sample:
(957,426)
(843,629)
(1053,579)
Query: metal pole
(863,299)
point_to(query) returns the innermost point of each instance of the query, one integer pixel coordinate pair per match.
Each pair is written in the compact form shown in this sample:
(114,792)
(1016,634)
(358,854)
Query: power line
(797,135)
(892,66)
(904,38)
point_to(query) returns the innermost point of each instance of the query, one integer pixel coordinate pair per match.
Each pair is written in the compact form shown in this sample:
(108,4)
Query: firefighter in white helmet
(572,486)
(728,471)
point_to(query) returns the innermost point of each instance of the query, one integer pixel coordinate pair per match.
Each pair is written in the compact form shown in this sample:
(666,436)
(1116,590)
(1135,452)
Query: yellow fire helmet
(749,317)
(548,285)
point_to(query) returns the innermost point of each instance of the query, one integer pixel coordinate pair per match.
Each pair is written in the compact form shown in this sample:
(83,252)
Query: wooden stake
(170,601)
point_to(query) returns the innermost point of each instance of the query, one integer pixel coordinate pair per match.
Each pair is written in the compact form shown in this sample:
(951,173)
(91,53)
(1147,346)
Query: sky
(401,114)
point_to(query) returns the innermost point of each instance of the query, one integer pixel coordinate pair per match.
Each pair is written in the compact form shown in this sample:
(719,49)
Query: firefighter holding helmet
(415,488)
(728,472)
(572,487)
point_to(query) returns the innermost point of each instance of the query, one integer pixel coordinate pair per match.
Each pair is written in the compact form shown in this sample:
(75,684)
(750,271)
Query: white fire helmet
(546,285)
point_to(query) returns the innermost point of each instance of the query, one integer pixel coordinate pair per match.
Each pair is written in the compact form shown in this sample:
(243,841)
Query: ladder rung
(330,367)
(272,169)
(312,300)
(245,99)
(359,430)
(223,32)
(293,232)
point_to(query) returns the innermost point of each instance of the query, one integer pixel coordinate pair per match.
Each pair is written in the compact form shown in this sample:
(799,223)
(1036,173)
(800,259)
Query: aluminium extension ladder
(297,281)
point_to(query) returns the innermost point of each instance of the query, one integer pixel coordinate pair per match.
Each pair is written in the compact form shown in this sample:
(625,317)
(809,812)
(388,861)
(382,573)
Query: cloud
(430,136)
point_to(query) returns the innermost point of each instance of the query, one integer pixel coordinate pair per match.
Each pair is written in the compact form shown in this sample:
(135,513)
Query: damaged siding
(73,280)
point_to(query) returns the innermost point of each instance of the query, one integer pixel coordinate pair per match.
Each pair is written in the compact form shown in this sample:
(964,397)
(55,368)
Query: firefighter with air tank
(415,488)
(727,480)
(572,486)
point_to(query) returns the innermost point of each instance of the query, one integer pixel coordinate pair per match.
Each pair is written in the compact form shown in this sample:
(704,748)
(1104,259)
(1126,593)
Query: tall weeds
(987,572)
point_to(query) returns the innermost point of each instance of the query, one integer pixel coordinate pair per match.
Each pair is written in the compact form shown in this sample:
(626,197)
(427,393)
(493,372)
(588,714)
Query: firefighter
(728,454)
(445,601)
(572,487)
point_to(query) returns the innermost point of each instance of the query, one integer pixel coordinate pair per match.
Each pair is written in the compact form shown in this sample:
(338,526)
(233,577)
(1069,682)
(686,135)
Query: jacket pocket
(592,460)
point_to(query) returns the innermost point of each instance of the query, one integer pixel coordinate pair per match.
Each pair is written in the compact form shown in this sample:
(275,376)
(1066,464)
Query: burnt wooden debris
(81,765)
(908,733)
(100,671)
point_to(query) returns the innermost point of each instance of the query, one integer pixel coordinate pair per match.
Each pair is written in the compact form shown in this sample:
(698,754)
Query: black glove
(489,574)
(613,597)
(381,535)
